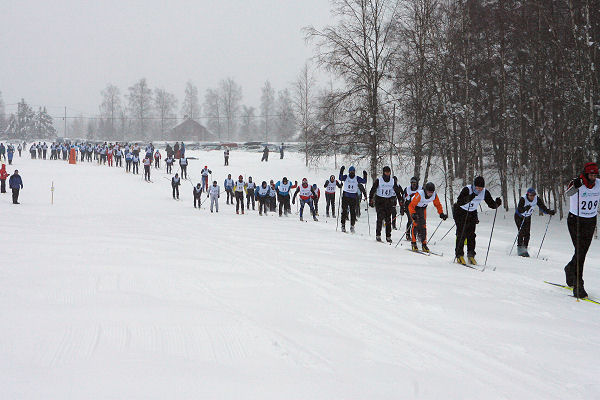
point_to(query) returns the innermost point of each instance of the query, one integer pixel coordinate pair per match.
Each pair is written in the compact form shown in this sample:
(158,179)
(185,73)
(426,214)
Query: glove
(401,210)
(498,201)
(527,207)
(551,212)
(444,216)
(365,174)
(577,182)
(293,201)
(371,204)
(472,196)
(342,169)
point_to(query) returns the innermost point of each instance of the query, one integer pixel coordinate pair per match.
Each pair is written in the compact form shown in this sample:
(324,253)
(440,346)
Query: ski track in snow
(117,291)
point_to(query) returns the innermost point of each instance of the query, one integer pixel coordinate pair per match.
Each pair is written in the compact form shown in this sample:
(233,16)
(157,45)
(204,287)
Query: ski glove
(526,208)
(443,216)
(401,210)
(498,202)
(551,212)
(472,196)
(577,182)
(371,204)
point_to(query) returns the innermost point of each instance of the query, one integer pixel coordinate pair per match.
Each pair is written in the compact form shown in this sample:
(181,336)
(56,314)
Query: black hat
(387,169)
(414,179)
(429,187)
(479,182)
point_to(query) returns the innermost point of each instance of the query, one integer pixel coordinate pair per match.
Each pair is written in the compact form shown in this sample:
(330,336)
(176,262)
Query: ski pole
(339,211)
(368,219)
(541,244)
(518,233)
(576,287)
(446,234)
(490,242)
(436,229)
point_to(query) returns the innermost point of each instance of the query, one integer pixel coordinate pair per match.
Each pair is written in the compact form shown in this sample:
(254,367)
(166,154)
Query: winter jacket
(15,182)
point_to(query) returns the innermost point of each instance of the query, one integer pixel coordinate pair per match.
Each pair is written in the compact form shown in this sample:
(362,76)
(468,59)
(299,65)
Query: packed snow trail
(117,291)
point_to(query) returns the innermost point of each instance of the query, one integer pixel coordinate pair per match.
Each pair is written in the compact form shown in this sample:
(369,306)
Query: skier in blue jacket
(15,183)
(283,188)
(350,194)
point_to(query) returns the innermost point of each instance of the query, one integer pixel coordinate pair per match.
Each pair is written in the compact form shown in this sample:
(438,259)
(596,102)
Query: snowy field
(118,292)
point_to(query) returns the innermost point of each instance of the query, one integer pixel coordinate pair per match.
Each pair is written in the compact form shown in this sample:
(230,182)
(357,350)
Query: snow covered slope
(117,291)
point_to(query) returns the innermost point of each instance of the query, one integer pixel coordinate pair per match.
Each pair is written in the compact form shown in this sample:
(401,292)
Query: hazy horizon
(64,53)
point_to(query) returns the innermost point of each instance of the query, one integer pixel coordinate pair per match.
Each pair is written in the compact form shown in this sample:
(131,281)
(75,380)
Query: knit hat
(414,179)
(479,182)
(531,191)
(387,169)
(429,187)
(351,169)
(590,168)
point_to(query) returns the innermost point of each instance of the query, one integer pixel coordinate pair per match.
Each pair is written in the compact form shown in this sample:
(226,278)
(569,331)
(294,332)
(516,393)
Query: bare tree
(165,104)
(285,122)
(214,112)
(248,127)
(230,97)
(140,106)
(359,50)
(191,104)
(304,104)
(267,108)
(110,108)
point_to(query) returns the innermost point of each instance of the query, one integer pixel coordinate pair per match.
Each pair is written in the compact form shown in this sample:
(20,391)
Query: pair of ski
(571,289)
(426,253)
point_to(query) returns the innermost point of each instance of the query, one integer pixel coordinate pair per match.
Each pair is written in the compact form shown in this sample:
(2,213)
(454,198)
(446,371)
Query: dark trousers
(384,207)
(136,167)
(147,172)
(229,195)
(265,157)
(127,165)
(197,201)
(250,197)
(419,229)
(587,227)
(262,205)
(157,163)
(465,229)
(15,195)
(524,233)
(175,191)
(409,221)
(239,200)
(272,204)
(118,161)
(226,160)
(349,203)
(284,204)
(310,204)
(183,171)
(330,199)
(3,186)
(169,168)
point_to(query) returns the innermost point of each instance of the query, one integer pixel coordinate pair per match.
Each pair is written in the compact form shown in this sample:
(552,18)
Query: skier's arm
(574,186)
(543,207)
(413,203)
(295,193)
(464,197)
(326,183)
(342,176)
(438,204)
(362,180)
(493,204)
(399,192)
(339,184)
(521,206)
(373,190)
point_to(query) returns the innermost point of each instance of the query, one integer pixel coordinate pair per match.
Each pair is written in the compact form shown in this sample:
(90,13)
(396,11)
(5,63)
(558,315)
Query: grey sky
(65,52)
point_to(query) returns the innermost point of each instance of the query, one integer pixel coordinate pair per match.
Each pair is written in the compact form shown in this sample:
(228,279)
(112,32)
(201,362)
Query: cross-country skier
(283,188)
(330,187)
(147,165)
(183,163)
(382,196)
(350,195)
(205,172)
(418,212)
(128,161)
(228,186)
(523,218)
(169,162)
(175,182)
(316,197)
(306,196)
(465,216)
(118,157)
(250,186)
(214,192)
(226,156)
(272,197)
(197,193)
(157,157)
(19,149)
(584,194)
(409,192)
(239,189)
(262,195)
(135,162)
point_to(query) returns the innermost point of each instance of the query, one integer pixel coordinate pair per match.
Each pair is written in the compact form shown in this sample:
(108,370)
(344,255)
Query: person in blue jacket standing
(283,188)
(10,151)
(228,185)
(350,195)
(16,183)
(262,195)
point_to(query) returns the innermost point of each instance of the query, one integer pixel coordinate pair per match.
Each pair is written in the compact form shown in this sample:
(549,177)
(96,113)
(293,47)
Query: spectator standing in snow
(16,184)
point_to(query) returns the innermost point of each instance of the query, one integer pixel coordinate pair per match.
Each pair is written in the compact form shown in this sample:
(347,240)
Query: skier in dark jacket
(16,183)
(175,182)
(350,195)
(465,217)
(523,218)
(383,196)
(197,193)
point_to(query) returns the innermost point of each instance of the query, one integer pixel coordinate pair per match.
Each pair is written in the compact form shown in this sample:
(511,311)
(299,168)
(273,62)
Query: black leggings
(587,226)
(524,233)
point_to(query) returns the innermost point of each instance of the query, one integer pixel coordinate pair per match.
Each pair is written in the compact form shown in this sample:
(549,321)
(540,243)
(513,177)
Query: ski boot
(242,212)
(327,214)
(471,258)
(237,212)
(461,260)
(569,277)
(388,239)
(260,213)
(351,228)
(378,238)
(579,291)
(315,218)
(343,228)
(413,246)
(424,248)
(301,218)
(522,251)
(407,235)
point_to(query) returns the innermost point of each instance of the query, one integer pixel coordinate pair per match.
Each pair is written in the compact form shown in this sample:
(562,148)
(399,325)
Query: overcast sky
(64,52)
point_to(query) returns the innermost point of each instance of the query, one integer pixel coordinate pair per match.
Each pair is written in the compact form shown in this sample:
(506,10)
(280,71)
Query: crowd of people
(386,195)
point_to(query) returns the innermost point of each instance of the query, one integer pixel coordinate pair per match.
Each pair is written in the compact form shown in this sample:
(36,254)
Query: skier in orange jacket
(418,212)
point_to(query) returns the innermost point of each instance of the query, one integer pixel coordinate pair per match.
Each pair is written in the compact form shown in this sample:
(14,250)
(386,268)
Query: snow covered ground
(117,291)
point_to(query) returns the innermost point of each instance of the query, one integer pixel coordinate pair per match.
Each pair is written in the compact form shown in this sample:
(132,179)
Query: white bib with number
(425,201)
(472,206)
(385,189)
(351,185)
(586,203)
(330,187)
